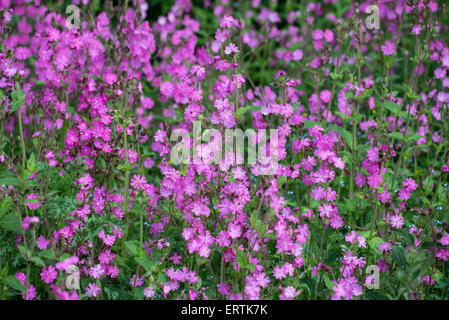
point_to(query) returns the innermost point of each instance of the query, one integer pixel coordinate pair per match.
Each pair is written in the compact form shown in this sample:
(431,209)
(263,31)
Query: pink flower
(49,274)
(385,246)
(31,293)
(67,263)
(32,201)
(93,290)
(410,184)
(234,231)
(297,55)
(397,221)
(416,29)
(440,73)
(223,289)
(325,96)
(27,221)
(442,254)
(360,180)
(96,271)
(160,136)
(228,22)
(132,156)
(445,239)
(231,48)
(384,196)
(404,194)
(42,243)
(148,292)
(136,282)
(138,182)
(148,163)
(374,180)
(388,48)
(289,293)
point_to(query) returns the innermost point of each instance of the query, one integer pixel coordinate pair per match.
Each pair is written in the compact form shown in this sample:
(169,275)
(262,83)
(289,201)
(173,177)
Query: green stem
(126,174)
(22,142)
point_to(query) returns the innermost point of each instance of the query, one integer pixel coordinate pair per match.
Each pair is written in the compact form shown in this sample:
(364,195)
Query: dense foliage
(88,188)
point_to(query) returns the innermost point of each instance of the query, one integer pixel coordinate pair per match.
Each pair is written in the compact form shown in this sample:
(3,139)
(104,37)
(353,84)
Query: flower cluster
(92,205)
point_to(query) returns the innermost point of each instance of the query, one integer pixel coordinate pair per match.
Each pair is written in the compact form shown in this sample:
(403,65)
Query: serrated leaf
(10,181)
(11,223)
(374,243)
(398,254)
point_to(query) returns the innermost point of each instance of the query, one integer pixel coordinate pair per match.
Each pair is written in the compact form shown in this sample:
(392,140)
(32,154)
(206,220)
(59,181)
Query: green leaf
(281,180)
(392,106)
(31,163)
(442,283)
(349,94)
(335,75)
(64,256)
(328,282)
(10,181)
(442,145)
(375,295)
(311,124)
(14,283)
(144,261)
(11,223)
(48,254)
(374,243)
(253,220)
(365,94)
(38,261)
(132,246)
(413,137)
(242,258)
(398,254)
(21,95)
(250,267)
(18,99)
(396,135)
(342,115)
